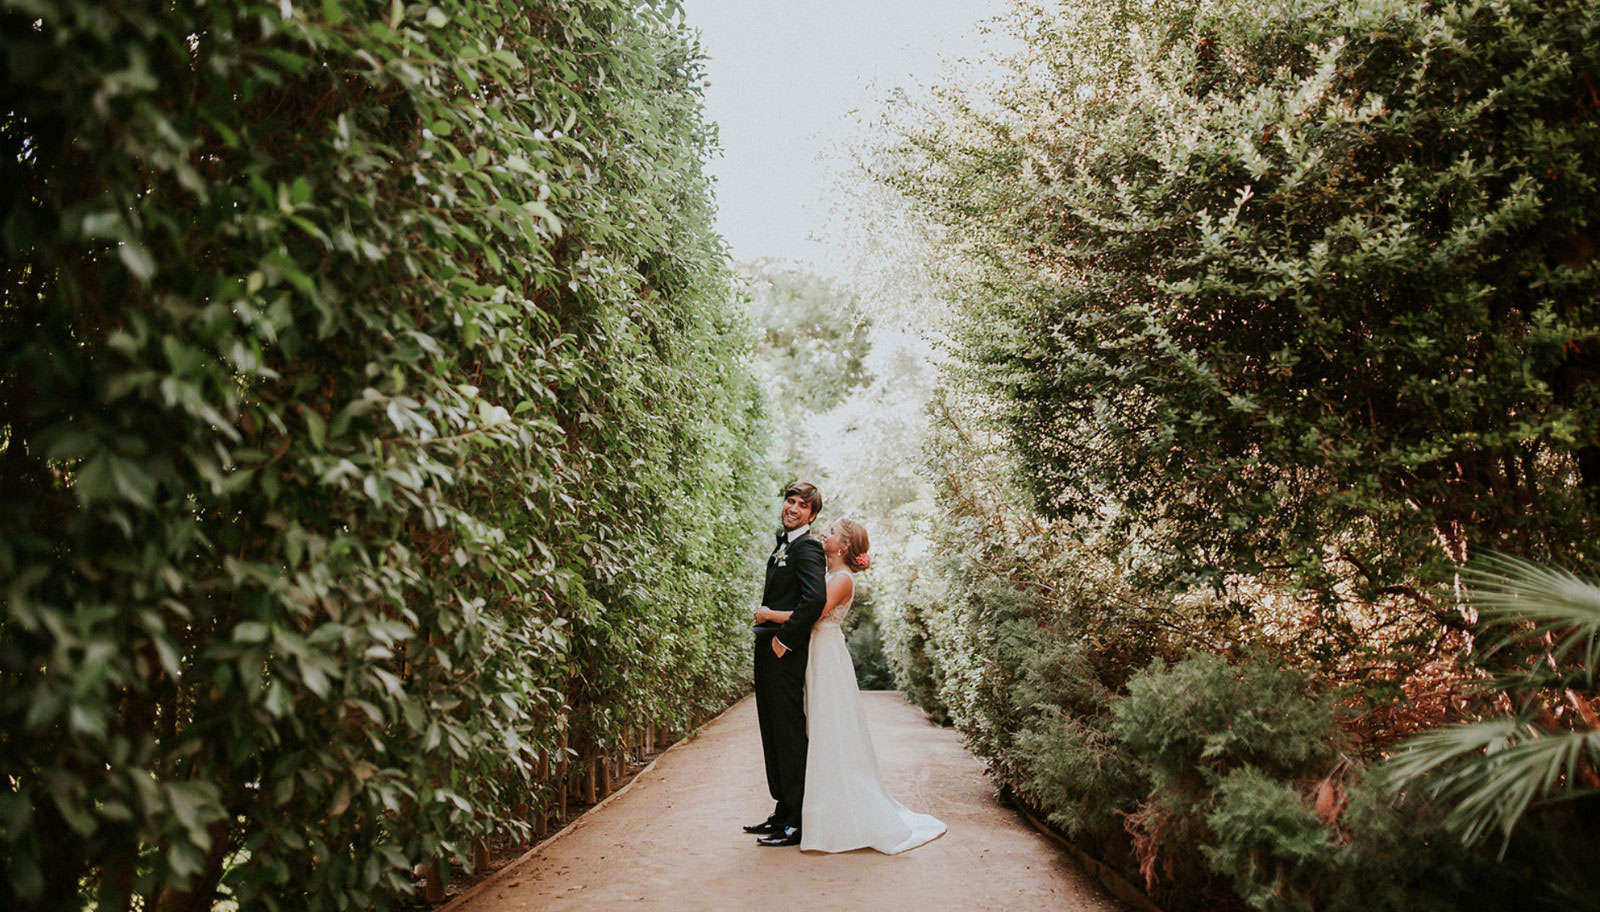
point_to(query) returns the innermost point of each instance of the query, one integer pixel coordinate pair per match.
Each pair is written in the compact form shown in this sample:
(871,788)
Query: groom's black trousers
(781,711)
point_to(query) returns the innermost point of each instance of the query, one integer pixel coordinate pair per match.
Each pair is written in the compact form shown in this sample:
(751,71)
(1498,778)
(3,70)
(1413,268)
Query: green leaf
(137,258)
(195,805)
(185,859)
(316,427)
(132,482)
(69,442)
(105,224)
(251,632)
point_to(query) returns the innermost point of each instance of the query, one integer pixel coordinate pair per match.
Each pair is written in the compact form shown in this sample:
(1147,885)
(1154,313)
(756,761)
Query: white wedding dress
(845,805)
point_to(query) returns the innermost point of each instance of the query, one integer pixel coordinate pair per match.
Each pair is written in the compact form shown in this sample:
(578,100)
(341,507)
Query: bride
(845,804)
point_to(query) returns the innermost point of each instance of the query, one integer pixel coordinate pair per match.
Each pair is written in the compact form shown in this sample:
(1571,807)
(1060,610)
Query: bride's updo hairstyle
(854,538)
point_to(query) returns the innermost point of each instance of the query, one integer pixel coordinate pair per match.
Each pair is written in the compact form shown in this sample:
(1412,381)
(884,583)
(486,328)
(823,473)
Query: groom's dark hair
(808,491)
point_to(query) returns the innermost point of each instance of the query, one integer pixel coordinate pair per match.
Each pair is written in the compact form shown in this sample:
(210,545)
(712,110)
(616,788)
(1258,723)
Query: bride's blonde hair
(854,538)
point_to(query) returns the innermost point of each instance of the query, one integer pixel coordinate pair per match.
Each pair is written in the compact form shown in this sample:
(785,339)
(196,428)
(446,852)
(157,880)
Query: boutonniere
(781,556)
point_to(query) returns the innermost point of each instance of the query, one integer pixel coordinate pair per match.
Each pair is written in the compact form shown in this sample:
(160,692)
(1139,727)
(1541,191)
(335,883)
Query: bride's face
(831,541)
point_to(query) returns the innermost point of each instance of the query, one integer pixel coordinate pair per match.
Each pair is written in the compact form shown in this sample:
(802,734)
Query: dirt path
(672,840)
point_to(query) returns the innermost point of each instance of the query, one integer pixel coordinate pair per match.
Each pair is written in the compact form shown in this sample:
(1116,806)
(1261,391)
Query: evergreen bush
(1268,841)
(1204,715)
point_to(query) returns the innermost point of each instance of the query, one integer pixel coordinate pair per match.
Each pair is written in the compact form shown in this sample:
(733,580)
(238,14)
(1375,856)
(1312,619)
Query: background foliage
(812,357)
(1268,319)
(374,423)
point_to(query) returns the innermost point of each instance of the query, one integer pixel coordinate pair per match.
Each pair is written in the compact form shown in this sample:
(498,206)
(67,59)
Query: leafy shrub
(1345,847)
(906,639)
(1268,841)
(1203,715)
(1266,318)
(1076,767)
(1196,724)
(866,649)
(374,423)
(1307,291)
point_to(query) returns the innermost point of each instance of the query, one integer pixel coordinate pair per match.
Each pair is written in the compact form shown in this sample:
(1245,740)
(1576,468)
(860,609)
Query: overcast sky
(785,78)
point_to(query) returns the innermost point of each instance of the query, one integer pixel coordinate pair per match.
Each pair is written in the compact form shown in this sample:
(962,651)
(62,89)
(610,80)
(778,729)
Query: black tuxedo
(796,584)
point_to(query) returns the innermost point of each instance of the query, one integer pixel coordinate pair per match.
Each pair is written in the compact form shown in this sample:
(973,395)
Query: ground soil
(672,839)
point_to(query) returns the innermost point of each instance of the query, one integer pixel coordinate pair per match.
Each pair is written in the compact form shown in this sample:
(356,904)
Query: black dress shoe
(787,836)
(764,828)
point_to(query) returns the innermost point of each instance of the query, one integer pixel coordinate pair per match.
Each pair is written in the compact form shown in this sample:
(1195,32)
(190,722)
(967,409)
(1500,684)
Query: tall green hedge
(374,423)
(1268,317)
(1304,288)
(1195,752)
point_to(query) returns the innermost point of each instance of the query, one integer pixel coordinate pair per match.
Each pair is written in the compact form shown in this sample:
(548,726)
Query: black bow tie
(783,537)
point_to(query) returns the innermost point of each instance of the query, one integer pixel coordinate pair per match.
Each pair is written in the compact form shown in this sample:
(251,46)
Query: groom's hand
(778,649)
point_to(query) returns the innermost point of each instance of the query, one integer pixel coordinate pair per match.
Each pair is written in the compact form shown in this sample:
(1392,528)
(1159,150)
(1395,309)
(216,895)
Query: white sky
(785,78)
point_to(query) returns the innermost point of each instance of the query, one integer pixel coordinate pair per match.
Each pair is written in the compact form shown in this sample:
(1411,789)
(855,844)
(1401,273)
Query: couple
(821,768)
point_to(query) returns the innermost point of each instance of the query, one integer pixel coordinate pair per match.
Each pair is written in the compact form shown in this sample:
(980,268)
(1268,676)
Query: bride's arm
(839,589)
(765,614)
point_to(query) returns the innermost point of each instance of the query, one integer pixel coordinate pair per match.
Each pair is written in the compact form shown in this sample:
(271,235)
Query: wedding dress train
(845,805)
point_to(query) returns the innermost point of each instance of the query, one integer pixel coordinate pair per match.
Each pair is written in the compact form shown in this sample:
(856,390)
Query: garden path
(671,840)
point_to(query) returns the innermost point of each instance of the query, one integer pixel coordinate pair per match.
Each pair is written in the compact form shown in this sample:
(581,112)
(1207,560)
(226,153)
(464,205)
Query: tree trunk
(433,884)
(480,856)
(542,815)
(561,776)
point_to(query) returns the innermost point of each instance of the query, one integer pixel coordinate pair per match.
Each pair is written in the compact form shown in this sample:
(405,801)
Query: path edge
(505,872)
(1114,883)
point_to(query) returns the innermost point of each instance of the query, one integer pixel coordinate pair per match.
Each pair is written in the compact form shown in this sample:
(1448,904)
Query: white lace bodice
(837,615)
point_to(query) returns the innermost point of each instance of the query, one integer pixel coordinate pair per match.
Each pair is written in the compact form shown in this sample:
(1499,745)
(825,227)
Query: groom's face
(796,512)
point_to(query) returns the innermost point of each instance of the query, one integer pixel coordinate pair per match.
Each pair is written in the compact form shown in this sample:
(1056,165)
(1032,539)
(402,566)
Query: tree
(1302,290)
(813,342)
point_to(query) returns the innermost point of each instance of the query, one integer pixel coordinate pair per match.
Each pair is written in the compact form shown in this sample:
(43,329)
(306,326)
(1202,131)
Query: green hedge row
(1269,318)
(377,434)
(1208,762)
(1307,290)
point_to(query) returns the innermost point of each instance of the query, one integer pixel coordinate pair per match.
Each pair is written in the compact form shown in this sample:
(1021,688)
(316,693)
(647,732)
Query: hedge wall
(374,422)
(1269,317)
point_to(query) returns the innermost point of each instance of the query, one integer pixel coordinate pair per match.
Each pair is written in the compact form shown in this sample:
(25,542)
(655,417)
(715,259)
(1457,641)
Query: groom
(795,583)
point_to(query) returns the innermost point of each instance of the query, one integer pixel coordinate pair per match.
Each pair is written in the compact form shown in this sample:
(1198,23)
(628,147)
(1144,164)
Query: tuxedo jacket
(796,584)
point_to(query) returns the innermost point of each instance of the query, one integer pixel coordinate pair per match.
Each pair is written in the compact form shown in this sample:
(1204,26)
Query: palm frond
(1527,602)
(1488,774)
